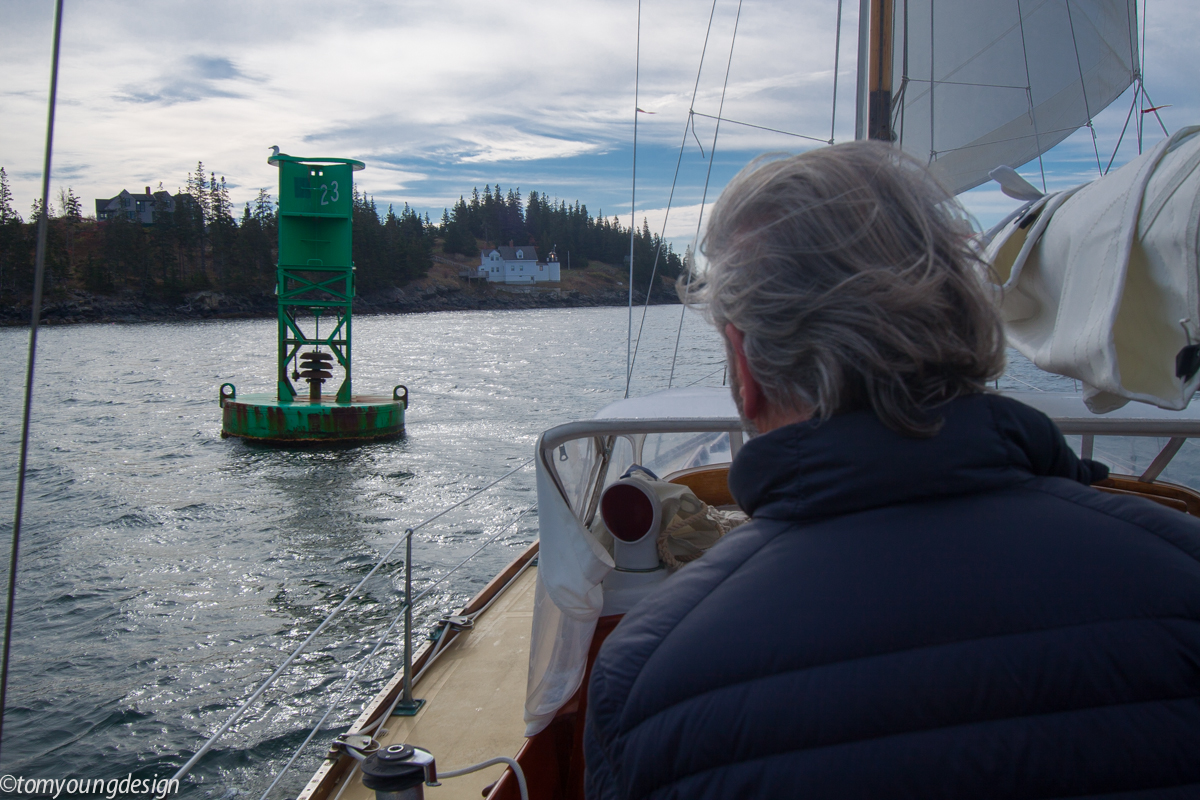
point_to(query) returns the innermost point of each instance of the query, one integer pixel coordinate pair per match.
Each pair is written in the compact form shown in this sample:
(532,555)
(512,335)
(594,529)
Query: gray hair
(850,273)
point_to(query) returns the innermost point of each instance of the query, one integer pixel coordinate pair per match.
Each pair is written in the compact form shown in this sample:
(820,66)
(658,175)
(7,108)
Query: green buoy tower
(315,285)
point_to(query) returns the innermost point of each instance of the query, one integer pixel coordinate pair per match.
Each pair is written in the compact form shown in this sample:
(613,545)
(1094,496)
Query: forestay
(1010,78)
(1099,282)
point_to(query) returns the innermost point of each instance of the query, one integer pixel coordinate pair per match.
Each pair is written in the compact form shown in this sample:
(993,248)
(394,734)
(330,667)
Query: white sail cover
(1012,78)
(572,564)
(1099,282)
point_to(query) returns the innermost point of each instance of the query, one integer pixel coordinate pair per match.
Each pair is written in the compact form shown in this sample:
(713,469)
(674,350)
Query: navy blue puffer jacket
(953,617)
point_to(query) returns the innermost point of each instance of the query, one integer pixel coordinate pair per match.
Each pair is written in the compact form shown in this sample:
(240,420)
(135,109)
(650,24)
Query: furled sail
(1099,282)
(973,85)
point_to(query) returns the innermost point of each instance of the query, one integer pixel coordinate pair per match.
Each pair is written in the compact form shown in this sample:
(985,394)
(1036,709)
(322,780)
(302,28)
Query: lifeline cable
(186,768)
(406,607)
(39,273)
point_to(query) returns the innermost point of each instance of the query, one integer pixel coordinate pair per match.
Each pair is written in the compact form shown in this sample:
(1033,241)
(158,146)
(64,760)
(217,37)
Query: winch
(399,772)
(402,771)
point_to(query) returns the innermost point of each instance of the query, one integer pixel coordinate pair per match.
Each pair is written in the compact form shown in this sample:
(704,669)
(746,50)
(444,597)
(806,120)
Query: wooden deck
(474,699)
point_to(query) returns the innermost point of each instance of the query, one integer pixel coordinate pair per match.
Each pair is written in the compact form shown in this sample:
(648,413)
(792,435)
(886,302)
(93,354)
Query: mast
(875,56)
(875,59)
(1025,75)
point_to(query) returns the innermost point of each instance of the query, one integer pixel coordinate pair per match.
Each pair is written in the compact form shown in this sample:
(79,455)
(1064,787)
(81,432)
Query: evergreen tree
(35,210)
(254,254)
(197,216)
(16,255)
(264,207)
(72,209)
(197,240)
(456,231)
(221,226)
(198,189)
(7,212)
(68,224)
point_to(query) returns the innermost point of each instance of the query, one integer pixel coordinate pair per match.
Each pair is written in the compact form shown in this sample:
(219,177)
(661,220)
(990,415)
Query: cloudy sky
(439,97)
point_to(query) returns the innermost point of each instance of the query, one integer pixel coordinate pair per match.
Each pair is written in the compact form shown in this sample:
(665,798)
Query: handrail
(561,434)
(187,767)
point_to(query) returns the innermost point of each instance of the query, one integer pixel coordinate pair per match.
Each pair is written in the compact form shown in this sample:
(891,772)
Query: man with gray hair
(929,600)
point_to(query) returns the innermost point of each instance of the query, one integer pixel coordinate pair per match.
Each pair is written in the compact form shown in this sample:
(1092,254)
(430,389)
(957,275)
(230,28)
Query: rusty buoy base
(261,417)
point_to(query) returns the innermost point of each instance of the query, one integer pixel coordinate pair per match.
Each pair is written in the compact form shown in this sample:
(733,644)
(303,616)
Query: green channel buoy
(315,275)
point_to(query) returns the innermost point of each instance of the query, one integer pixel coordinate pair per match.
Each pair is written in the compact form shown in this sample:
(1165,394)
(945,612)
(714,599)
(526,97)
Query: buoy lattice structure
(315,289)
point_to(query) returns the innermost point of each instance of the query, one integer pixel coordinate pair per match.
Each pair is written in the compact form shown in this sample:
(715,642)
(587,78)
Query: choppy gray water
(166,571)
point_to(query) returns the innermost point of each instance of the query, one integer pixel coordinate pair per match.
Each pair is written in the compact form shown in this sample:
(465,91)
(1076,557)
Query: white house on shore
(517,265)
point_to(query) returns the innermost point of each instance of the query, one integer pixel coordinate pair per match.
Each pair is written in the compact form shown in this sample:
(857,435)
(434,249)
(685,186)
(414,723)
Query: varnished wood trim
(337,764)
(1169,494)
(498,583)
(552,759)
(710,484)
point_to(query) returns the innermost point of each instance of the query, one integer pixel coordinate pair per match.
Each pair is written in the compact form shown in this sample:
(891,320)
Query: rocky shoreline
(81,307)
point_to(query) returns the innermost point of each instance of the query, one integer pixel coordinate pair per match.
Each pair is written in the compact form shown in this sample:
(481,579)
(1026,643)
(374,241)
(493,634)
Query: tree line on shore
(574,234)
(197,241)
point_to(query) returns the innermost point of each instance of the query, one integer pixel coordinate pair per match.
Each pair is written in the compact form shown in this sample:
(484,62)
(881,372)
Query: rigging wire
(932,82)
(760,127)
(637,77)
(438,650)
(1141,74)
(39,273)
(837,52)
(1154,110)
(709,375)
(1029,94)
(395,621)
(712,156)
(692,122)
(671,197)
(186,768)
(1139,92)
(898,115)
(1087,108)
(1124,128)
(692,113)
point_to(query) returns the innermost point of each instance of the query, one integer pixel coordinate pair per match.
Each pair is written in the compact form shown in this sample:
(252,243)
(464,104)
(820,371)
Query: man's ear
(753,402)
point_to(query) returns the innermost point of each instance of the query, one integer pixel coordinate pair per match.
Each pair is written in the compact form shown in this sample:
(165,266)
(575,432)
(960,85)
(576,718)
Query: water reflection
(165,571)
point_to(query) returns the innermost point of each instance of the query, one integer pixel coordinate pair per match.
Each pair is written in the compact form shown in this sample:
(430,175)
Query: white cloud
(437,97)
(681,223)
(513,145)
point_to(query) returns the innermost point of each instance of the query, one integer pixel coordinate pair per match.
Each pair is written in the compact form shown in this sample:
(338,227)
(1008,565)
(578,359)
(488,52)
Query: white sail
(1011,78)
(1100,282)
